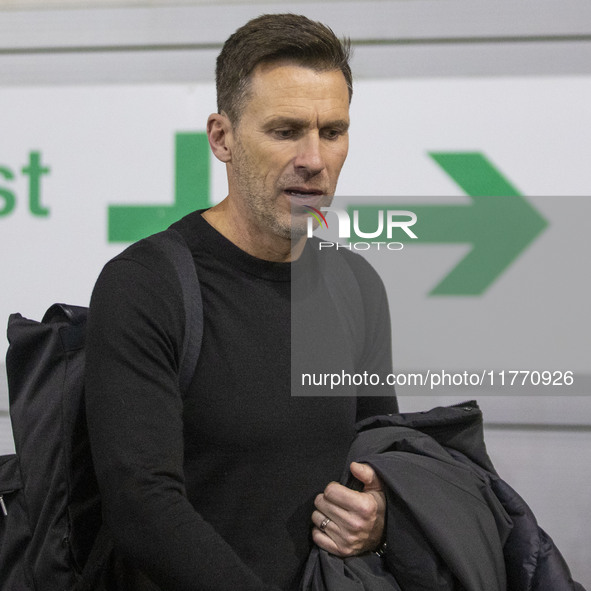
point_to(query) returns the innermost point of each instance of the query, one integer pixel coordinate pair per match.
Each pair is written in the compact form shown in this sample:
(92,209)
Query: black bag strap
(174,246)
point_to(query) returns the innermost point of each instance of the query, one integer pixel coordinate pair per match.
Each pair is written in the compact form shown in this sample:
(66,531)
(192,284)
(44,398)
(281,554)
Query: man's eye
(285,134)
(332,134)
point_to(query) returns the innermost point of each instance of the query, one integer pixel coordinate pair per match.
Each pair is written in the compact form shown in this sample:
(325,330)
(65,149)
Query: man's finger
(325,542)
(323,522)
(366,474)
(331,509)
(363,508)
(341,497)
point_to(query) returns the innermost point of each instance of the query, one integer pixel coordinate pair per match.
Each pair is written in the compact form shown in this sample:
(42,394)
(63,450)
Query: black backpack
(51,537)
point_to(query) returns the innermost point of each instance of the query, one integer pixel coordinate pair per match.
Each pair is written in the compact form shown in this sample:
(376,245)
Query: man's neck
(257,244)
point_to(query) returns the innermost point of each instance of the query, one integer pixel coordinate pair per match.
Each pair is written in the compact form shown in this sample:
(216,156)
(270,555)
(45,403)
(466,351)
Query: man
(219,489)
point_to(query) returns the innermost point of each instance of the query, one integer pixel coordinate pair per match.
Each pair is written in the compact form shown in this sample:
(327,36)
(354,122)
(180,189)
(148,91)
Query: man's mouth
(302,197)
(304,192)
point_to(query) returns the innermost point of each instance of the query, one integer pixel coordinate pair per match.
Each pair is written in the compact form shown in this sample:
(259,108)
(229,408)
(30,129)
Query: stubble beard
(264,210)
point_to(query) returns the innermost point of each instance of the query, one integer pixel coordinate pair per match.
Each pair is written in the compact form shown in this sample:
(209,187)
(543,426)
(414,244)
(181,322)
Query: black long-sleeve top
(214,491)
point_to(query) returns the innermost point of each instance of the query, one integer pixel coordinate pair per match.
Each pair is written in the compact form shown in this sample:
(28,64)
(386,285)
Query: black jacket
(452,523)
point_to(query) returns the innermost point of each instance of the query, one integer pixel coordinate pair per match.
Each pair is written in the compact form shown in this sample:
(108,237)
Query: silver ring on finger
(324,523)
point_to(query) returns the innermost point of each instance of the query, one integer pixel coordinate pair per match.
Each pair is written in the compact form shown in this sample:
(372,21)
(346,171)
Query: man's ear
(219,134)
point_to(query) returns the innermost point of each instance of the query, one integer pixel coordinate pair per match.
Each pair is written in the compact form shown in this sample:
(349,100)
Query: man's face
(289,146)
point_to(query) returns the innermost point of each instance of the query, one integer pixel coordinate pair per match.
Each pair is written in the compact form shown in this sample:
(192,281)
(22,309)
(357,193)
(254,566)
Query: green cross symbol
(128,223)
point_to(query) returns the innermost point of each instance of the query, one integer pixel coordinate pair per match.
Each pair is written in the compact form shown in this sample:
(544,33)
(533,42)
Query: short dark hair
(270,38)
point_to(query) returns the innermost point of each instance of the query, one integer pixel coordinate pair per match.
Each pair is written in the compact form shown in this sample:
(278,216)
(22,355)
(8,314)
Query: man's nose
(309,157)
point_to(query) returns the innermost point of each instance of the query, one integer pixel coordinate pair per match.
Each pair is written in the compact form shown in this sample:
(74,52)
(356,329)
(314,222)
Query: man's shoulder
(144,253)
(154,250)
(152,261)
(139,283)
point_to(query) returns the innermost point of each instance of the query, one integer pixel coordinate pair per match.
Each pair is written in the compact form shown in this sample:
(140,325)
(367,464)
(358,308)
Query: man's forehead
(287,89)
(286,76)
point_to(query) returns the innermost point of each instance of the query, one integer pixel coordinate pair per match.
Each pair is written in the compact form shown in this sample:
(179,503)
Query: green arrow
(128,223)
(499,223)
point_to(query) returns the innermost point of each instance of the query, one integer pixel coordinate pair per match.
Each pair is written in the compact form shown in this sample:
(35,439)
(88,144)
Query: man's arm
(135,421)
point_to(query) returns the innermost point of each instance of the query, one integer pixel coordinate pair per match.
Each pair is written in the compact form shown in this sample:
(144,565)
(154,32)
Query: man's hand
(355,519)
